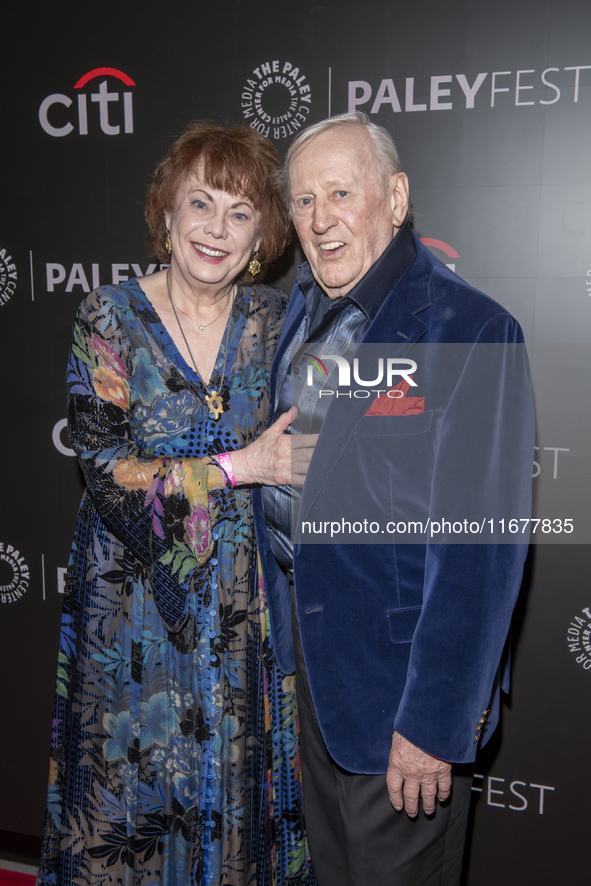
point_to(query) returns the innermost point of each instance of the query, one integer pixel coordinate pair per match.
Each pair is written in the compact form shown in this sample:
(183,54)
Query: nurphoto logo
(396,368)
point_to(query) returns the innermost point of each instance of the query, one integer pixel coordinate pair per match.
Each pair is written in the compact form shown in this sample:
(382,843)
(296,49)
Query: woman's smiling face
(213,233)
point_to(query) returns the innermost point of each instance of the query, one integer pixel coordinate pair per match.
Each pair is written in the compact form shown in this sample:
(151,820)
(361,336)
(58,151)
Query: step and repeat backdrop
(490,105)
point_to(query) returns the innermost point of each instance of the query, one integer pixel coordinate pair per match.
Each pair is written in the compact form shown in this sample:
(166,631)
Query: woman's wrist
(225,462)
(243,468)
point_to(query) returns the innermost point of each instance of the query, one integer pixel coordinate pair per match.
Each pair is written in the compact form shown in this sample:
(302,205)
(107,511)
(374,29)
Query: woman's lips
(209,253)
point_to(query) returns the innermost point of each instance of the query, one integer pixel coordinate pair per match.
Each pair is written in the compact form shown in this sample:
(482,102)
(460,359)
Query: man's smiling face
(345,210)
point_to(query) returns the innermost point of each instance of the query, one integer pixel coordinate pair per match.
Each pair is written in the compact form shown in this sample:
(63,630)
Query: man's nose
(324,217)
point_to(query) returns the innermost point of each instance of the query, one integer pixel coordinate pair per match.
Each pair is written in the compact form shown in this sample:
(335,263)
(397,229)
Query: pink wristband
(225,461)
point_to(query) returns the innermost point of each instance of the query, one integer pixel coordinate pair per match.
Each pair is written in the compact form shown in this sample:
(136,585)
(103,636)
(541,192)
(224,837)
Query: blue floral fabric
(174,752)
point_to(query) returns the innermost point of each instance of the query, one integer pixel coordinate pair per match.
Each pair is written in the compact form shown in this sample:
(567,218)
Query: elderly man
(396,647)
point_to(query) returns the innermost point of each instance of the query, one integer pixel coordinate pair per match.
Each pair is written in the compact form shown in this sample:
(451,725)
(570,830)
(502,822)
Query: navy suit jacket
(409,637)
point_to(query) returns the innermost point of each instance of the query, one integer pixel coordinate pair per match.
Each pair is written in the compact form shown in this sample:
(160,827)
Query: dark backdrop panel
(491,110)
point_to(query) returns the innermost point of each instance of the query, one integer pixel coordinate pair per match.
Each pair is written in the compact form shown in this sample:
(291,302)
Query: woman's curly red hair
(230,158)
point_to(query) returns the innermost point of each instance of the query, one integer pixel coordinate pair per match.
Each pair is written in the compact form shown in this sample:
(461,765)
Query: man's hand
(412,772)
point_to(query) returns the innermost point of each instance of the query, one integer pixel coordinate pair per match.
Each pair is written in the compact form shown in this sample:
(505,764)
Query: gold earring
(254,266)
(167,243)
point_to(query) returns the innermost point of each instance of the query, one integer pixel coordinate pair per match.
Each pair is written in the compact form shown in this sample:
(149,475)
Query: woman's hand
(275,458)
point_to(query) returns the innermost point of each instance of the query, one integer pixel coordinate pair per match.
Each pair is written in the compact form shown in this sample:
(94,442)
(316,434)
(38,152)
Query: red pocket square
(397,404)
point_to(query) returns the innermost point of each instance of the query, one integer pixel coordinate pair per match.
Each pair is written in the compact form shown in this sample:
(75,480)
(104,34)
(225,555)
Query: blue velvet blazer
(409,637)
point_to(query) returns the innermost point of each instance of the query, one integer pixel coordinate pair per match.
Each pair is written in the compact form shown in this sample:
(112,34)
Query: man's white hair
(383,144)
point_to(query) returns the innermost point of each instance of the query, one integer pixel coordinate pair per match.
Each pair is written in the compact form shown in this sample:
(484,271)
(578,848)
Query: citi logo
(57,123)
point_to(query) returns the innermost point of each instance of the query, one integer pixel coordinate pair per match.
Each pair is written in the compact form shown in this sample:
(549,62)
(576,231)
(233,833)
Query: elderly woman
(174,755)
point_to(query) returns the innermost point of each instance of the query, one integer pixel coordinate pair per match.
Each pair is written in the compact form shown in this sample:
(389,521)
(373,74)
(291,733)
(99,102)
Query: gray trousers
(355,837)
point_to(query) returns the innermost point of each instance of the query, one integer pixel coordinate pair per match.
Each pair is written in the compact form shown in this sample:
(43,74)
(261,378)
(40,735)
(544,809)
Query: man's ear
(398,191)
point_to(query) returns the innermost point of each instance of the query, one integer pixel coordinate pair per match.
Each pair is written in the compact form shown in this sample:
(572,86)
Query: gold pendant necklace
(215,403)
(213,398)
(200,326)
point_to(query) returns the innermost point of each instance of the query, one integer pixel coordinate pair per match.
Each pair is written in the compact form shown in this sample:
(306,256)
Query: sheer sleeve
(163,510)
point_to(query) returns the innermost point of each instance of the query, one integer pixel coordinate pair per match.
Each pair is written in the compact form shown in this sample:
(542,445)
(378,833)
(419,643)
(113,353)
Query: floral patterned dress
(174,752)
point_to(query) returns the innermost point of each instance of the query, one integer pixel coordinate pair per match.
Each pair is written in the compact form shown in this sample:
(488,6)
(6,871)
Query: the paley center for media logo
(113,114)
(579,638)
(8,276)
(14,574)
(276,99)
